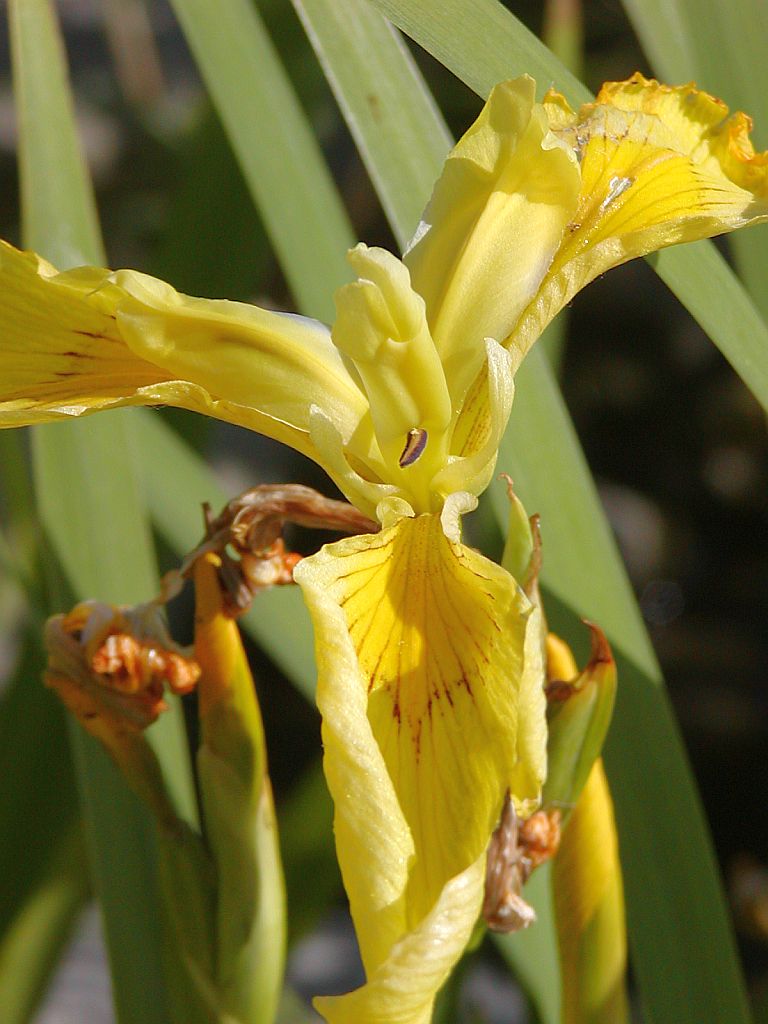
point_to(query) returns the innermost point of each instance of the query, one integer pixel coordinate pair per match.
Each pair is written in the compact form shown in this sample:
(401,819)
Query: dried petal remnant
(504,909)
(515,850)
(252,525)
(539,837)
(134,665)
(110,665)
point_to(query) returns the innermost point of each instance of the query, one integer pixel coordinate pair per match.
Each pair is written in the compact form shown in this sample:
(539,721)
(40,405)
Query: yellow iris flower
(429,656)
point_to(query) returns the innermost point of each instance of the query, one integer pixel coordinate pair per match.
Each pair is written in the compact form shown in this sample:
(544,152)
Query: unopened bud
(579,713)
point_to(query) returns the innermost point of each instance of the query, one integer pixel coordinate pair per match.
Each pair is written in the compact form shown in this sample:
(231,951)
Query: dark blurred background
(676,442)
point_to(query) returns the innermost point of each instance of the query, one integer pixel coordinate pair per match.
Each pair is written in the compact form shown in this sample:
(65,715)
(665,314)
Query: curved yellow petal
(60,351)
(480,427)
(277,365)
(659,165)
(492,226)
(430,687)
(381,326)
(75,342)
(402,989)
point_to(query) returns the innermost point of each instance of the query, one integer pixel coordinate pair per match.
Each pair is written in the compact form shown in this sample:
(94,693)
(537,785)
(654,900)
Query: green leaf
(279,157)
(91,510)
(58,211)
(195,253)
(400,159)
(482,43)
(306,838)
(44,881)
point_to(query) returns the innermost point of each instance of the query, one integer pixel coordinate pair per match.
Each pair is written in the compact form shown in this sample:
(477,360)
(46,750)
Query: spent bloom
(430,665)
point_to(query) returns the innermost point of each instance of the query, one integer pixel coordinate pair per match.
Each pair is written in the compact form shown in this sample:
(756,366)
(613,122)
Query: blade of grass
(42,888)
(279,156)
(562,32)
(583,570)
(195,253)
(306,836)
(483,43)
(57,205)
(368,94)
(43,874)
(91,510)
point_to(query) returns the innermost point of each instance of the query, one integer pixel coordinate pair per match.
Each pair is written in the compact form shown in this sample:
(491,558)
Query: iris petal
(493,224)
(84,340)
(402,989)
(659,165)
(430,687)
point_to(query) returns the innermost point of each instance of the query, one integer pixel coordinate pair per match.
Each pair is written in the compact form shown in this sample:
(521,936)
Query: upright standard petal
(430,687)
(75,342)
(659,165)
(492,226)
